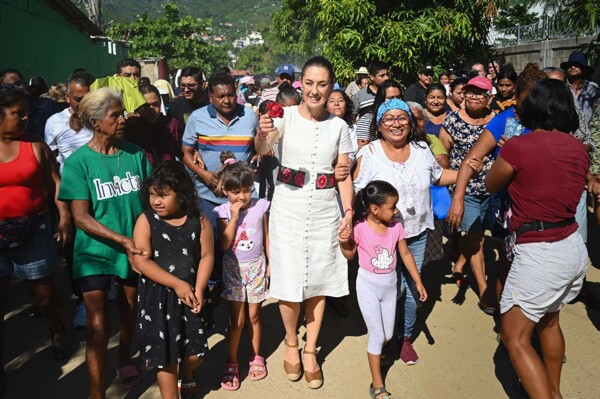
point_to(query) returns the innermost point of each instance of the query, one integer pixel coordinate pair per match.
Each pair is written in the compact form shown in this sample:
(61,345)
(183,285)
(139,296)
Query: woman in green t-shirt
(101,180)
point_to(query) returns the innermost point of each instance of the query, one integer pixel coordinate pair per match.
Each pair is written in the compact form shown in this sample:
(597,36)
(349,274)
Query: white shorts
(544,276)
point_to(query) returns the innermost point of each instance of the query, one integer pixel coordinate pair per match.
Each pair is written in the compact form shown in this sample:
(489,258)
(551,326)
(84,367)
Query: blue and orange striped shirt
(207,133)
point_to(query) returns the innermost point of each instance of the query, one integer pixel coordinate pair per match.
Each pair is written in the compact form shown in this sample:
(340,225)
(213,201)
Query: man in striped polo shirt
(363,100)
(223,125)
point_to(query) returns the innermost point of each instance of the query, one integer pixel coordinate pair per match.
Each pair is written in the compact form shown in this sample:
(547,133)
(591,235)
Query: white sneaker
(80,319)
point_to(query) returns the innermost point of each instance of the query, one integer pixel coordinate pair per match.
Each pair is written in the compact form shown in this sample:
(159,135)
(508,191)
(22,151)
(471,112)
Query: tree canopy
(406,34)
(515,14)
(177,39)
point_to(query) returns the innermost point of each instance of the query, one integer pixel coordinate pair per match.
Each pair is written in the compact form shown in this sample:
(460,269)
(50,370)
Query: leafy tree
(257,58)
(177,39)
(583,16)
(406,34)
(515,14)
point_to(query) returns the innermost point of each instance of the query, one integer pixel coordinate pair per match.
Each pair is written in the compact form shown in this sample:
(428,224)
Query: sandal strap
(231,370)
(285,341)
(382,390)
(187,385)
(315,352)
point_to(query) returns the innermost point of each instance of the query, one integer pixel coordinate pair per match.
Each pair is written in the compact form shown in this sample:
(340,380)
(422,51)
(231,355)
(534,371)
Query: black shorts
(102,282)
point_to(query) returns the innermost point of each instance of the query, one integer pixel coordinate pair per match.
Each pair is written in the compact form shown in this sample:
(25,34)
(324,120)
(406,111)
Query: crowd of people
(165,198)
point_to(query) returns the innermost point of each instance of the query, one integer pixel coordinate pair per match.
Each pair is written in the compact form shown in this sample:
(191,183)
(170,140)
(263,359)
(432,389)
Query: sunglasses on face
(17,86)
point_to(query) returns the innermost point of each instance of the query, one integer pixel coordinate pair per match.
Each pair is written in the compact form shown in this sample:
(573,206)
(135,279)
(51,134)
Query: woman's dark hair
(507,72)
(380,99)
(528,77)
(548,106)
(10,98)
(144,81)
(360,79)
(434,87)
(220,78)
(322,62)
(348,118)
(458,82)
(172,174)
(287,92)
(376,193)
(145,89)
(234,175)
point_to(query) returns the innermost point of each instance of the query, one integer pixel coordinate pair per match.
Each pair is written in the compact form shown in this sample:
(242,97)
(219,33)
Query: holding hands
(187,295)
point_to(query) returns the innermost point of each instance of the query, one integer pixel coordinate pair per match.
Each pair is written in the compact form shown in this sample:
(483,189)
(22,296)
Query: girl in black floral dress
(176,265)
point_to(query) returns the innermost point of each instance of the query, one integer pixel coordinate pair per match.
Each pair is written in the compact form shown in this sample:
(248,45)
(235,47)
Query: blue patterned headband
(394,103)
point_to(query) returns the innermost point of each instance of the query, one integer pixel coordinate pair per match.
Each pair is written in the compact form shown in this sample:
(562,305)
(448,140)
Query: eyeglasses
(17,86)
(389,121)
(477,96)
(190,86)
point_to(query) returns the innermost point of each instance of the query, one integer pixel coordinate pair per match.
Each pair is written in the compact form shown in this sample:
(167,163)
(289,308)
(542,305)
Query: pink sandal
(231,376)
(257,366)
(129,376)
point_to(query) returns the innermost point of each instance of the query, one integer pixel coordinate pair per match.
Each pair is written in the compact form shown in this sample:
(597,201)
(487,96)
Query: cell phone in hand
(513,127)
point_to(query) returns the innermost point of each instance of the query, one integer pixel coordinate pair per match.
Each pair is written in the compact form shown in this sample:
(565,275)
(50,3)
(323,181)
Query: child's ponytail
(376,193)
(233,174)
(360,208)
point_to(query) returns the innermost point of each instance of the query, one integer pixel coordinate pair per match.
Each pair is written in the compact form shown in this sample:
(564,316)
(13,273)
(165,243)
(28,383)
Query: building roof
(75,16)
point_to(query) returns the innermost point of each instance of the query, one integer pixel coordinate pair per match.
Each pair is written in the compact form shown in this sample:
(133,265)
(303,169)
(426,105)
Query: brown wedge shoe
(292,371)
(314,379)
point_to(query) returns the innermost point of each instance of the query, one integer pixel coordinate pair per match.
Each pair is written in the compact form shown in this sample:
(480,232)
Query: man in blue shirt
(223,125)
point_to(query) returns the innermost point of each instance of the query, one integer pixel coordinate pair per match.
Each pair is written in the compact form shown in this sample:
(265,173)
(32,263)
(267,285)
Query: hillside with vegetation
(243,15)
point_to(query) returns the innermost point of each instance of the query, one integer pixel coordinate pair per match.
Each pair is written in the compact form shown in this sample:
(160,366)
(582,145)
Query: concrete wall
(37,40)
(546,53)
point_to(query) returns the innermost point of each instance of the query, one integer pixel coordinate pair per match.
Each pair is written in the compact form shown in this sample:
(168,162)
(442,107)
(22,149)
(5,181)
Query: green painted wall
(37,40)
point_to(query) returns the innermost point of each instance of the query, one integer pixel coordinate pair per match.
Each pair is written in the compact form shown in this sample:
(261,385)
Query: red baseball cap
(479,82)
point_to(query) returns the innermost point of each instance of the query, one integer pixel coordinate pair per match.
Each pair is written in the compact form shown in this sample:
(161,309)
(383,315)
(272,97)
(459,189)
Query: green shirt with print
(111,184)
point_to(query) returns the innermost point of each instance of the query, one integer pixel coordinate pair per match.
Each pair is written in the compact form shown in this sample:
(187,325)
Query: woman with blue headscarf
(400,155)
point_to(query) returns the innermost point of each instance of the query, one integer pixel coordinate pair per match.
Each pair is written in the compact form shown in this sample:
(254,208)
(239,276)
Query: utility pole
(93,10)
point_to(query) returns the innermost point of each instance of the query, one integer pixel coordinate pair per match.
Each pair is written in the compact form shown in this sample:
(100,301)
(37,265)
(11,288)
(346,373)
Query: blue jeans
(417,248)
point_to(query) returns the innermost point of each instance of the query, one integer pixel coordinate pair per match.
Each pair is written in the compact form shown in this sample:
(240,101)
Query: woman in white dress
(306,262)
